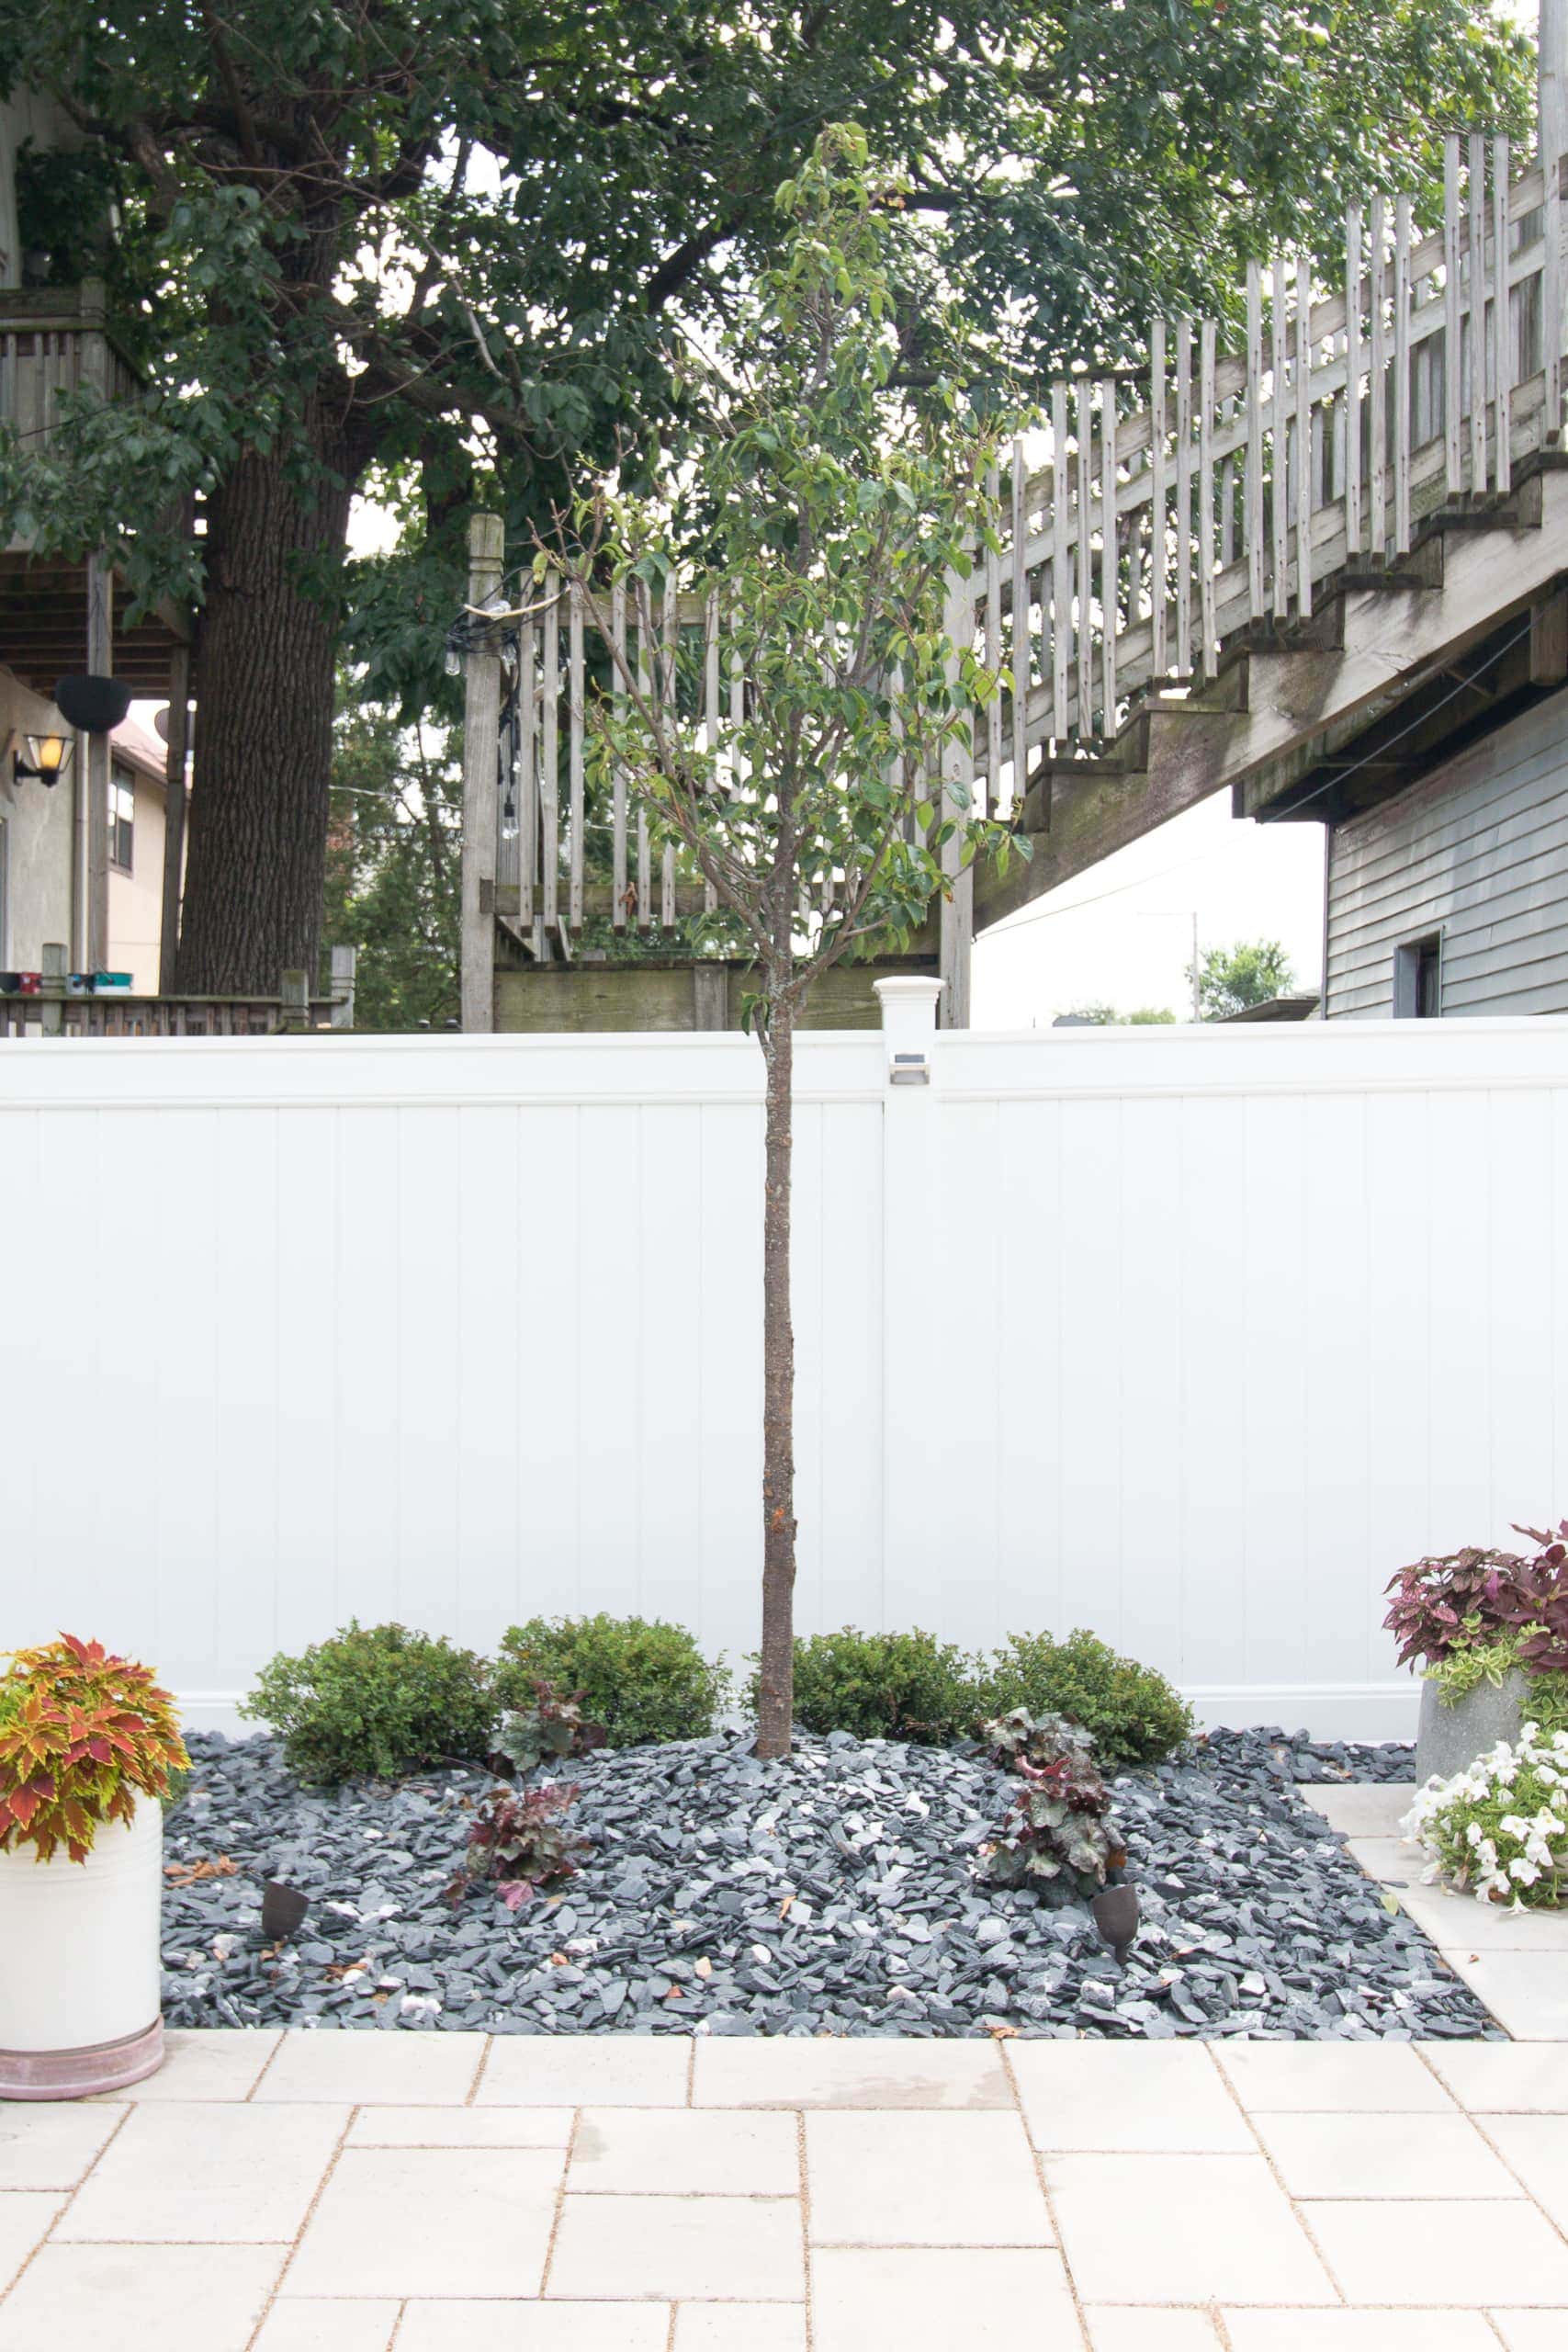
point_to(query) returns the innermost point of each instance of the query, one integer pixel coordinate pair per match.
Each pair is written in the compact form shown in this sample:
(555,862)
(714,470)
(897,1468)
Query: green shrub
(375,1698)
(640,1678)
(1133,1714)
(885,1686)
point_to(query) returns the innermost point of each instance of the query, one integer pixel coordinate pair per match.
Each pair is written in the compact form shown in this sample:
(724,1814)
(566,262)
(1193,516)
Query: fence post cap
(906,996)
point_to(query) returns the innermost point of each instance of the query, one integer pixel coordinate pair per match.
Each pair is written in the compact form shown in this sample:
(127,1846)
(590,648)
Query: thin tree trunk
(265,670)
(775,1701)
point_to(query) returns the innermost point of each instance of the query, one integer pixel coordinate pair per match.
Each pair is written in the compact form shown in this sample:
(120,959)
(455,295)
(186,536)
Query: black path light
(1115,1910)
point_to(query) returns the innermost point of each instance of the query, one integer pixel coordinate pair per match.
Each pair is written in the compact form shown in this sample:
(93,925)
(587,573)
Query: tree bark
(775,1700)
(265,672)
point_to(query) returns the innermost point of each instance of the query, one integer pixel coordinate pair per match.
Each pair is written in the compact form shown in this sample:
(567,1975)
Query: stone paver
(924,2299)
(1362,1808)
(849,2074)
(1125,2098)
(1383,2331)
(1183,2230)
(533,2327)
(223,2175)
(51,2147)
(347,2192)
(162,2298)
(885,2179)
(327,2327)
(458,2221)
(1433,2251)
(1527,1991)
(646,2151)
(1339,2078)
(1138,2329)
(1383,2155)
(736,2249)
(585,2070)
(383,2069)
(740,2327)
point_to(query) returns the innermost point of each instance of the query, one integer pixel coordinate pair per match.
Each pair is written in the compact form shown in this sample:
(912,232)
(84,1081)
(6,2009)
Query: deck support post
(481,727)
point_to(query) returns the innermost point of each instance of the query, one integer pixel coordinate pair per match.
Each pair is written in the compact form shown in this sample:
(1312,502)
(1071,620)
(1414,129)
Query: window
(122,819)
(1418,979)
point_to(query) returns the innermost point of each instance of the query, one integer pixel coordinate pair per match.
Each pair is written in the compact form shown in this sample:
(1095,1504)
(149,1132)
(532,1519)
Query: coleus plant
(1462,1599)
(83,1734)
(1058,1837)
(520,1842)
(552,1728)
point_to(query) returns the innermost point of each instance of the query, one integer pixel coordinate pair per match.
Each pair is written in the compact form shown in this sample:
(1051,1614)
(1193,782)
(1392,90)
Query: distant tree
(1230,980)
(1105,1016)
(392,887)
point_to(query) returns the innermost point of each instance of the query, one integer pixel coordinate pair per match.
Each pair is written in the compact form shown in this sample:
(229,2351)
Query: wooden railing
(1213,497)
(54,1008)
(53,342)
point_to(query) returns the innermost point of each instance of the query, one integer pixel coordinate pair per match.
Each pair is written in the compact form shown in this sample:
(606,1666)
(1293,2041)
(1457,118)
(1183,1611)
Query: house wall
(1477,851)
(1191,1335)
(37,821)
(136,899)
(25,115)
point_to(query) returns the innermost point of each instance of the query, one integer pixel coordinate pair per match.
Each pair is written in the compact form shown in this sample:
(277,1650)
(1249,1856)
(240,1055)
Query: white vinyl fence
(1190,1336)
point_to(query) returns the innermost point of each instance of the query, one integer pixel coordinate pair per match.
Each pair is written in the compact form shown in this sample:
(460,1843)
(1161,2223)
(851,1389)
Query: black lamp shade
(93,704)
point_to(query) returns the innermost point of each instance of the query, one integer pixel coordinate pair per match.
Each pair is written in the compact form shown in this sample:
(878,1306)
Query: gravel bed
(837,1893)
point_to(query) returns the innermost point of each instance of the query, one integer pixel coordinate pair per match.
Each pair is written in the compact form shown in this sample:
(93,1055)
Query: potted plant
(88,1744)
(1491,1628)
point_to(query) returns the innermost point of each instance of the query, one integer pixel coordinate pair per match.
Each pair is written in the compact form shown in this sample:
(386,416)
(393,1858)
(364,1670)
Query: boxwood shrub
(642,1678)
(885,1686)
(1134,1715)
(377,1699)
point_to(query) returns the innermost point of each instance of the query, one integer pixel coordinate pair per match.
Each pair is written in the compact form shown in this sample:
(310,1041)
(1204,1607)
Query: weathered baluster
(1353,380)
(1477,313)
(1086,526)
(671,658)
(549,757)
(527,774)
(1254,515)
(993,649)
(1502,310)
(575,721)
(1061,585)
(1279,443)
(1021,632)
(1110,588)
(1552,299)
(1404,389)
(710,706)
(617,772)
(645,693)
(1156,501)
(1304,438)
(1453,447)
(1184,497)
(1206,496)
(1377,455)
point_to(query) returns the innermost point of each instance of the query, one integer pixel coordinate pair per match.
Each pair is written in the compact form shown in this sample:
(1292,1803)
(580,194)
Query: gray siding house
(1452,897)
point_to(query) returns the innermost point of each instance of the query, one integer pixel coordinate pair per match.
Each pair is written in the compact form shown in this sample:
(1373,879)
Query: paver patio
(453,2193)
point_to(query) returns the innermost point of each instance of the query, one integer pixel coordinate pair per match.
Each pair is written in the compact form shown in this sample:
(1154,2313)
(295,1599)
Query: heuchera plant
(1058,1838)
(520,1843)
(81,1735)
(1471,1598)
(553,1727)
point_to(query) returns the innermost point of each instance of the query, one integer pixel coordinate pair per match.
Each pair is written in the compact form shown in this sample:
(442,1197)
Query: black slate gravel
(837,1893)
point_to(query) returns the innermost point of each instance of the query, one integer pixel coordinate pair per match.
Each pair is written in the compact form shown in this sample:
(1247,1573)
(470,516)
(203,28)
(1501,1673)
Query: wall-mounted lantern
(46,759)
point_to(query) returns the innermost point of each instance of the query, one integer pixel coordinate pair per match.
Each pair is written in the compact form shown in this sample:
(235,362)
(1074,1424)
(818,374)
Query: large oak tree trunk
(265,675)
(775,1700)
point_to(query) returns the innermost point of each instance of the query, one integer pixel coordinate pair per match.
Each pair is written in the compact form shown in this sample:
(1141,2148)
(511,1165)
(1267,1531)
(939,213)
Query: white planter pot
(80,1967)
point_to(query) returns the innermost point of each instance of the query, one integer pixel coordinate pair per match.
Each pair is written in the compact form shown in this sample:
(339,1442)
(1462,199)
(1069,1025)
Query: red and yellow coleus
(82,1734)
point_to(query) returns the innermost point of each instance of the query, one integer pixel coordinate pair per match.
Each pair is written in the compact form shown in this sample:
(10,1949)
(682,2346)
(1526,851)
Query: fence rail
(1174,515)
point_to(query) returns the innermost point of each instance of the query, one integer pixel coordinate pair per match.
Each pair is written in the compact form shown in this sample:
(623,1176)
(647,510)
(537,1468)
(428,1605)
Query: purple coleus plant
(1465,1599)
(1058,1838)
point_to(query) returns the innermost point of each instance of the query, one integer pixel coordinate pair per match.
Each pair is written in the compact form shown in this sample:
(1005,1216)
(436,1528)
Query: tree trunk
(775,1701)
(265,670)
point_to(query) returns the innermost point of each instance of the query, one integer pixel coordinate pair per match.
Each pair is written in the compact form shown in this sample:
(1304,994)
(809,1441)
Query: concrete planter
(80,1966)
(1450,1738)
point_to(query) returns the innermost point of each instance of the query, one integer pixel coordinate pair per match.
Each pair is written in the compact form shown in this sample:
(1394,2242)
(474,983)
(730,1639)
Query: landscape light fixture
(46,761)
